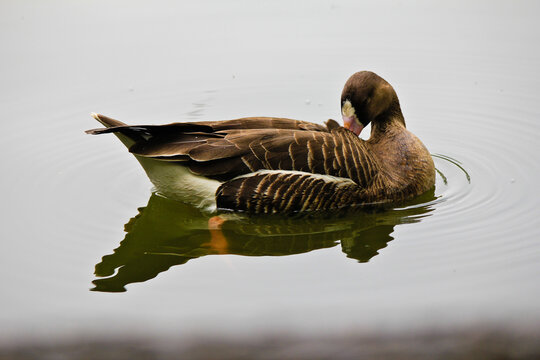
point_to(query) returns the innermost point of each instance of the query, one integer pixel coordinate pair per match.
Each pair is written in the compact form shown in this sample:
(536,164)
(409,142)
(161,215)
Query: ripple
(484,202)
(485,158)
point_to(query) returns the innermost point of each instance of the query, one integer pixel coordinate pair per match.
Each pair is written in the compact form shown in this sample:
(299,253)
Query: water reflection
(166,233)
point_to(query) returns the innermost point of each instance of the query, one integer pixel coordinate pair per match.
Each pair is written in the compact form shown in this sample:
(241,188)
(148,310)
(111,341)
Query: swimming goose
(278,165)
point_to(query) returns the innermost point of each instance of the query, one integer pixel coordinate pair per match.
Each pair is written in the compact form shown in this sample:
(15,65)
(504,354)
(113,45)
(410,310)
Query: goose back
(224,150)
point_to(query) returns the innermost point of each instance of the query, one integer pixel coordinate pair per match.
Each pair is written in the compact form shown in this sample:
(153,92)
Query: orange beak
(350,122)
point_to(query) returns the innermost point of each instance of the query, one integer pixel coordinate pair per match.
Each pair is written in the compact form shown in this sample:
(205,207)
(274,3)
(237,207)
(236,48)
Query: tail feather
(111,123)
(107,121)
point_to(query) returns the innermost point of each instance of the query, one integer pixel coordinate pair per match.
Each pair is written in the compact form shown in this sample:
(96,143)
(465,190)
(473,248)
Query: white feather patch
(347,109)
(177,182)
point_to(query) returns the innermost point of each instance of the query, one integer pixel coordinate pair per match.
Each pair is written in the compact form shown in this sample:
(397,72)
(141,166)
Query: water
(469,253)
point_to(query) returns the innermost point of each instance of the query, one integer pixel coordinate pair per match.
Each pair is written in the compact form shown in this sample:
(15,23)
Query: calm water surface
(78,213)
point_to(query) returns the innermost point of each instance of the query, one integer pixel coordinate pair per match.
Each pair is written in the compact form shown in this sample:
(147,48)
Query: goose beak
(349,122)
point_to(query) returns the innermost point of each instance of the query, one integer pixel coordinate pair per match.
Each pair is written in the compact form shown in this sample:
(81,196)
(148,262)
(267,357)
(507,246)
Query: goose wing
(224,150)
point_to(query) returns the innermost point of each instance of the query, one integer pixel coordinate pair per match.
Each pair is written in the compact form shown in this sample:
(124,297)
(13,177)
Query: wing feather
(224,150)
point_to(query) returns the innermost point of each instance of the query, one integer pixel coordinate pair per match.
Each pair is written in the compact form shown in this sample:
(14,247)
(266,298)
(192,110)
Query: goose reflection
(166,233)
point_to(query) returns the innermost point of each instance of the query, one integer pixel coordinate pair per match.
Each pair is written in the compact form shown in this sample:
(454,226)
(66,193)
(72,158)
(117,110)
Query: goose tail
(170,178)
(111,123)
(107,121)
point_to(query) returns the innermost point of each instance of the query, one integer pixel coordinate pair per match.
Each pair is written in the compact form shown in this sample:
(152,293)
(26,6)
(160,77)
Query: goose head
(368,98)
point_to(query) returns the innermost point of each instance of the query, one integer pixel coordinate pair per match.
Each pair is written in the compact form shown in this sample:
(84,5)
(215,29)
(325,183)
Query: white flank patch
(179,183)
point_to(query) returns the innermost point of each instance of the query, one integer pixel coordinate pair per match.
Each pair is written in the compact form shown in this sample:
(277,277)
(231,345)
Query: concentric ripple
(486,206)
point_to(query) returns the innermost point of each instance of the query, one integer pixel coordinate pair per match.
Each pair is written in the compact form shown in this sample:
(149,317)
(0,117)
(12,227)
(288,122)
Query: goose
(264,165)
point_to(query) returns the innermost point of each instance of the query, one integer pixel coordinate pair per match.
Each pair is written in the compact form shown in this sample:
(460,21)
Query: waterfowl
(274,165)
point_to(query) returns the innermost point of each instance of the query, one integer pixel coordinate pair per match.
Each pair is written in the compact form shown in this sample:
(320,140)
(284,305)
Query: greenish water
(166,233)
(89,251)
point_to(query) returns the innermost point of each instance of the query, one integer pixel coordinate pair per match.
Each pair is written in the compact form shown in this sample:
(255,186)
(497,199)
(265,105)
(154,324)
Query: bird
(267,165)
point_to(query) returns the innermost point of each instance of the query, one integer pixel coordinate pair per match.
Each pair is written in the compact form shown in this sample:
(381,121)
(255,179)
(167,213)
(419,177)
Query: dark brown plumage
(268,165)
